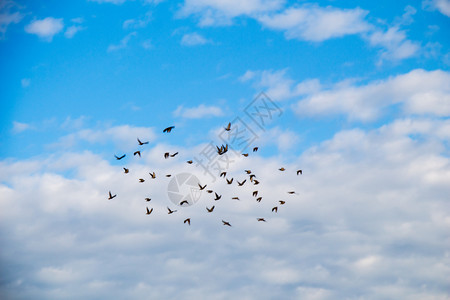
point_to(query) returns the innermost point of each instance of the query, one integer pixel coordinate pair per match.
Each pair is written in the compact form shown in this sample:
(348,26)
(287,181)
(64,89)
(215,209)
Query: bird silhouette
(173,155)
(281,202)
(189,161)
(291,192)
(202,187)
(217,197)
(210,191)
(168,175)
(148,199)
(111,196)
(119,157)
(222,150)
(188,220)
(169,129)
(255,149)
(228,128)
(166,155)
(235,198)
(210,209)
(245,154)
(184,202)
(252,176)
(261,220)
(258,199)
(126,171)
(275,209)
(138,153)
(281,169)
(299,172)
(141,143)
(170,211)
(141,180)
(241,183)
(226,223)
(255,193)
(149,211)
(255,182)
(230,181)
(223,174)
(153,175)
(248,171)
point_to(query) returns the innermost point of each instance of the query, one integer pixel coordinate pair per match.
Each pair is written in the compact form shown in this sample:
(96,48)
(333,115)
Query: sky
(356,94)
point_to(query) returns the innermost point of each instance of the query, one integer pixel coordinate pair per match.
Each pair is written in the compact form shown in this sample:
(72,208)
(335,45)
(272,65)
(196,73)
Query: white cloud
(25,82)
(219,12)
(72,30)
(314,23)
(123,42)
(199,112)
(443,6)
(7,17)
(419,92)
(138,23)
(109,1)
(147,44)
(193,39)
(19,127)
(369,221)
(45,28)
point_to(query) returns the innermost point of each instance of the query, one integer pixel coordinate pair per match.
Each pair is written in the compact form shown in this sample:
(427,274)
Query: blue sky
(363,87)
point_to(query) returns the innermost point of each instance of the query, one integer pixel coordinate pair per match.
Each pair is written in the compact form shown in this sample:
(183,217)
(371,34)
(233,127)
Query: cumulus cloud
(45,28)
(314,23)
(443,6)
(198,112)
(368,221)
(193,39)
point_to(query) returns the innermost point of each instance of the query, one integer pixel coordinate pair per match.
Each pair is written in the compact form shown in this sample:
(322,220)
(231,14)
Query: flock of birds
(220,151)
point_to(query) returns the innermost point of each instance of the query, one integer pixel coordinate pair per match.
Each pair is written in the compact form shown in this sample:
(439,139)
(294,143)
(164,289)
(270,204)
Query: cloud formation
(46,28)
(193,39)
(198,112)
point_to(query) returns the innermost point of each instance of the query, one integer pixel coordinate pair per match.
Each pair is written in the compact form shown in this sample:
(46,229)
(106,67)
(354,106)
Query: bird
(202,187)
(189,161)
(138,153)
(248,171)
(255,193)
(226,223)
(166,155)
(141,180)
(188,220)
(258,199)
(230,181)
(119,157)
(281,202)
(210,191)
(241,183)
(168,175)
(223,174)
(222,150)
(141,143)
(173,155)
(169,129)
(126,171)
(255,182)
(281,169)
(111,196)
(261,220)
(153,175)
(235,198)
(170,211)
(183,202)
(228,128)
(217,197)
(252,176)
(275,209)
(255,149)
(291,192)
(210,209)
(148,199)
(245,154)
(149,211)
(299,172)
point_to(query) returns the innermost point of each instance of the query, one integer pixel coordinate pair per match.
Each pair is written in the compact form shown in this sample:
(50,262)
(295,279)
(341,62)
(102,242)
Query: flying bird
(184,202)
(223,174)
(138,153)
(235,198)
(153,175)
(281,169)
(188,220)
(149,211)
(245,154)
(241,183)
(258,199)
(210,209)
(252,176)
(166,155)
(299,172)
(261,220)
(202,187)
(226,223)
(170,211)
(141,180)
(119,158)
(275,209)
(126,171)
(281,202)
(228,128)
(255,182)
(247,171)
(255,149)
(111,196)
(230,181)
(217,197)
(141,143)
(222,150)
(210,191)
(291,192)
(255,193)
(168,175)
(173,155)
(169,129)
(148,199)
(189,161)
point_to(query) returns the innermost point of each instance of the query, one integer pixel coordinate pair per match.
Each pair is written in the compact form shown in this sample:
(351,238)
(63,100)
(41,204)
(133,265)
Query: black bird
(228,128)
(169,129)
(275,209)
(247,171)
(210,209)
(255,193)
(255,182)
(235,198)
(202,187)
(223,174)
(188,220)
(141,143)
(170,211)
(149,211)
(153,175)
(148,199)
(255,149)
(258,199)
(230,181)
(241,183)
(173,155)
(291,192)
(141,180)
(299,172)
(119,158)
(111,196)
(126,171)
(226,223)
(245,154)
(261,220)
(166,155)
(281,202)
(168,175)
(217,197)
(281,169)
(252,176)
(138,153)
(183,202)
(210,191)
(189,161)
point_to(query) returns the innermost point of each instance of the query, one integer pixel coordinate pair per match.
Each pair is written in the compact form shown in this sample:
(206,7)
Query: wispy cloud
(72,30)
(193,39)
(201,111)
(443,6)
(122,44)
(46,28)
(25,82)
(138,22)
(19,127)
(8,17)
